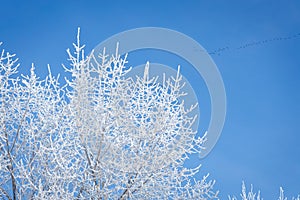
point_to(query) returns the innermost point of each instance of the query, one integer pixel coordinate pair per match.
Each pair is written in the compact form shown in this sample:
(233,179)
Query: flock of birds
(219,51)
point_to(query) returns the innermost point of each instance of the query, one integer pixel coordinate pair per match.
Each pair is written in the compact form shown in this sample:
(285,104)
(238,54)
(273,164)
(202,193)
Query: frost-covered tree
(251,195)
(247,196)
(102,135)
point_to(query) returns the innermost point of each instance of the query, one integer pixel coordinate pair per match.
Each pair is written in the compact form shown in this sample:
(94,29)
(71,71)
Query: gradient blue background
(260,141)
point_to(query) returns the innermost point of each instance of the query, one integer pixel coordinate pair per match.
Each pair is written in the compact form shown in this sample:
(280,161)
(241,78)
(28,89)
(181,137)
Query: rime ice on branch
(101,135)
(251,195)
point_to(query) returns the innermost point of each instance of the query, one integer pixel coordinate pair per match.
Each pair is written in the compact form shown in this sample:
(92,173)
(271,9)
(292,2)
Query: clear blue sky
(260,141)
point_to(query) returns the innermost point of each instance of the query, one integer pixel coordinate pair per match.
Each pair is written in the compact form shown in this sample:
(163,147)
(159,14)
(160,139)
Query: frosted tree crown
(101,135)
